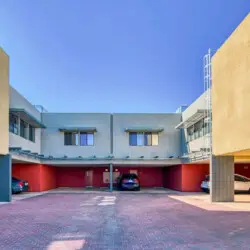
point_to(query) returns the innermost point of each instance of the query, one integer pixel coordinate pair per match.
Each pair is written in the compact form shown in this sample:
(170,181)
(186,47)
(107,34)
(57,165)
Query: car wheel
(205,190)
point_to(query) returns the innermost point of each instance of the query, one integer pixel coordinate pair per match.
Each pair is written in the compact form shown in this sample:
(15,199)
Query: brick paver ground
(118,221)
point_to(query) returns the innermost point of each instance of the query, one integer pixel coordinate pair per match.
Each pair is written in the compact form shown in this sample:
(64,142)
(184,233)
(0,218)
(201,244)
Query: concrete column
(222,178)
(5,178)
(110,177)
(4,103)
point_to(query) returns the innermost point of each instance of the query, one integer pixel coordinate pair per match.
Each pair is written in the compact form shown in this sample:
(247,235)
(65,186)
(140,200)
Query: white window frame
(78,138)
(154,135)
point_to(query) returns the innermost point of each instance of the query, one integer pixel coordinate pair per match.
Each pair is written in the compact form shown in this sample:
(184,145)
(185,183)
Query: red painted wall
(70,177)
(75,177)
(188,177)
(47,178)
(28,172)
(243,169)
(40,177)
(185,178)
(192,176)
(173,177)
(149,176)
(98,177)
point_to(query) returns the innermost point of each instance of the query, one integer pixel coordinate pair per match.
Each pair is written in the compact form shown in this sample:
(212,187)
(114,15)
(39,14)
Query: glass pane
(205,128)
(132,139)
(196,134)
(237,178)
(241,179)
(31,133)
(23,129)
(140,139)
(67,138)
(74,138)
(155,139)
(13,124)
(83,139)
(147,139)
(90,139)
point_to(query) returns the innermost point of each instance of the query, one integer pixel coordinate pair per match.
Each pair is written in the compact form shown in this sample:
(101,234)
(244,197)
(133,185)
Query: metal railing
(41,109)
(208,98)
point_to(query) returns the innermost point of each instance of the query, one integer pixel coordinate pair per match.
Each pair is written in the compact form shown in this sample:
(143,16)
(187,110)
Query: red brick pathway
(127,221)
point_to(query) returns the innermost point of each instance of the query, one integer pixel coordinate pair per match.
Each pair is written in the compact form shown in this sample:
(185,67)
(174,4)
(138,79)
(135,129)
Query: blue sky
(113,56)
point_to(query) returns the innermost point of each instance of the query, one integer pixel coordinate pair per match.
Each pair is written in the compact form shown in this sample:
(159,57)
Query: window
(148,139)
(239,178)
(190,132)
(140,140)
(24,129)
(71,138)
(13,124)
(155,139)
(86,139)
(197,130)
(132,139)
(143,139)
(201,122)
(205,127)
(31,133)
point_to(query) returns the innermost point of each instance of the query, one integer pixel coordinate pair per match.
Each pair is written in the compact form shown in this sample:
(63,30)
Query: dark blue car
(19,186)
(128,182)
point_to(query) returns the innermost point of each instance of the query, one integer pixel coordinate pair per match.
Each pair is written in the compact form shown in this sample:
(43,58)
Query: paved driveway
(119,221)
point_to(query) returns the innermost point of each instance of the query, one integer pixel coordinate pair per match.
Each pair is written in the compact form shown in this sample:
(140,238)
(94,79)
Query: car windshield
(129,176)
(207,178)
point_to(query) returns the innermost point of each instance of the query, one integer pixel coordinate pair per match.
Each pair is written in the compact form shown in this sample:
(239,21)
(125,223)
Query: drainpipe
(110,177)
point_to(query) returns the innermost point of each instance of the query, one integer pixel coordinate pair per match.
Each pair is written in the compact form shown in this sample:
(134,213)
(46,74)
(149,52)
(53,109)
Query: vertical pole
(111,136)
(110,177)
